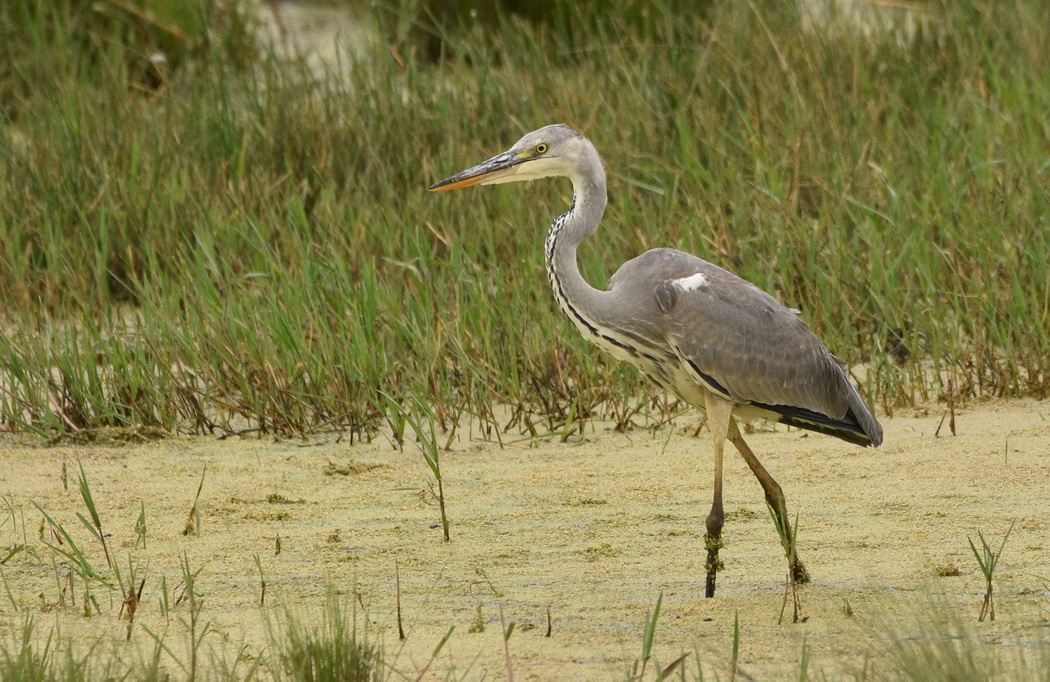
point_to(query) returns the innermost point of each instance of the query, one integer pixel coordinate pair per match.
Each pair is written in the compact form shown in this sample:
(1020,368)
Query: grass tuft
(987,560)
(933,642)
(337,648)
(788,533)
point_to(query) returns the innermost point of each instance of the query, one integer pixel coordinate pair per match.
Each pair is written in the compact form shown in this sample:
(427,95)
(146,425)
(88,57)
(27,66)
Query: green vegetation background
(220,238)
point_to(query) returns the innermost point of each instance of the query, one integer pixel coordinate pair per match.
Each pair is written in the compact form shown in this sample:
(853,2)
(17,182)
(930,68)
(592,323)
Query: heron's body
(714,339)
(750,349)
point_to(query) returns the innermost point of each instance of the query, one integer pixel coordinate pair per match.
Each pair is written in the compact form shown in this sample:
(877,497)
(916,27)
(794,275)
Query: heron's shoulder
(675,277)
(658,265)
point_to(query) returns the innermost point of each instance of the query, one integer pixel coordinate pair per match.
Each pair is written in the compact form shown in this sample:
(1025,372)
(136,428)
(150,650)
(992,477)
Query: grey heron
(706,335)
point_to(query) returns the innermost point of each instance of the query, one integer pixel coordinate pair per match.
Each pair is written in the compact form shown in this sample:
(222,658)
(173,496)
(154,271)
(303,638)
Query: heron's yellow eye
(541,148)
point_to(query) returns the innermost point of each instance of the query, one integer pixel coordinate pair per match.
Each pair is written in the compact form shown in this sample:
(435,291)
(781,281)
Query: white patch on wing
(692,282)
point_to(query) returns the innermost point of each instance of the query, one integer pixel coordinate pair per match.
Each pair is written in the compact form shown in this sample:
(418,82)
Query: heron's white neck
(580,301)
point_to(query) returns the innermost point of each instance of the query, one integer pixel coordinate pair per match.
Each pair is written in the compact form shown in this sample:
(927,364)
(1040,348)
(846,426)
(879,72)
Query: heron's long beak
(485,173)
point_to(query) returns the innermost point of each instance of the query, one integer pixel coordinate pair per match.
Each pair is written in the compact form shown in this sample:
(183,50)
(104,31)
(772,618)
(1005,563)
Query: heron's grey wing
(741,341)
(754,347)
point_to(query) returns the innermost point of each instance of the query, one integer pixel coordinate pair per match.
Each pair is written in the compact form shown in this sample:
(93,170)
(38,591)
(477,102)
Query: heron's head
(551,150)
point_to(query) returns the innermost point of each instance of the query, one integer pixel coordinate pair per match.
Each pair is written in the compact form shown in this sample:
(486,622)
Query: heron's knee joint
(715,521)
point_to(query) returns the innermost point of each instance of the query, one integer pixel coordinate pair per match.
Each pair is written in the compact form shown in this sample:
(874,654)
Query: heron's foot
(799,572)
(713,565)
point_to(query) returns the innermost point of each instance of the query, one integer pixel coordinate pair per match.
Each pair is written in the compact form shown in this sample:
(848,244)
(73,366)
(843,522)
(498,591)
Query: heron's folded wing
(758,350)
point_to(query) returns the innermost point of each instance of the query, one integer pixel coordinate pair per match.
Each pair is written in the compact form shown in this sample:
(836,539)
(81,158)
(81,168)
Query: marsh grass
(27,657)
(336,648)
(251,243)
(639,666)
(734,661)
(421,419)
(788,533)
(195,628)
(928,640)
(95,527)
(933,642)
(262,580)
(141,528)
(66,550)
(193,518)
(987,560)
(649,636)
(506,631)
(14,523)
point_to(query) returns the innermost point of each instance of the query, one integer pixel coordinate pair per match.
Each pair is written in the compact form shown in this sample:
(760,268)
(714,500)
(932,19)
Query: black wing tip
(876,438)
(848,428)
(842,431)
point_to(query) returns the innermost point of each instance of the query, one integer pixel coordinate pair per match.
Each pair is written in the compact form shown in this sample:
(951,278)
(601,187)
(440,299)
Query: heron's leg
(774,496)
(719,417)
